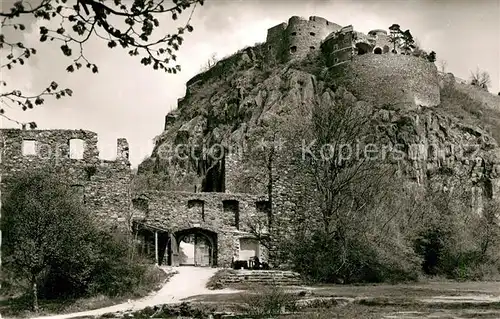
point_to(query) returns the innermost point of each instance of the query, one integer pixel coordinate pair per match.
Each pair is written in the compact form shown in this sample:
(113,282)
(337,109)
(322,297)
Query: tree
(431,57)
(210,62)
(394,35)
(334,227)
(260,152)
(43,224)
(480,78)
(408,43)
(72,23)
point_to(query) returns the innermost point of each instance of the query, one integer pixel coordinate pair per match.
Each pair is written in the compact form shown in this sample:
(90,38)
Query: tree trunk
(34,294)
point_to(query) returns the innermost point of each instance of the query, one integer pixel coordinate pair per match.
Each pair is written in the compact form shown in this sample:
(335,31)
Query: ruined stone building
(102,185)
(215,205)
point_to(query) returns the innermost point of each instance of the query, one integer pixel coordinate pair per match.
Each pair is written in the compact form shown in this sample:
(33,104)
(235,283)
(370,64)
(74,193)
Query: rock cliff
(440,128)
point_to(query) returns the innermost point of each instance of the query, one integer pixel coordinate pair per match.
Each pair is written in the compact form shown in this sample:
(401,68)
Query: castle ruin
(215,218)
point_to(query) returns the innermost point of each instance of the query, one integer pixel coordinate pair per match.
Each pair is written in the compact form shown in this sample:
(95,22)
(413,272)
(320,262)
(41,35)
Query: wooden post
(156,247)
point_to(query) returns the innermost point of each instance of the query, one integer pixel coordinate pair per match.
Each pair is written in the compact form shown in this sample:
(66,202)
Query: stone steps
(263,277)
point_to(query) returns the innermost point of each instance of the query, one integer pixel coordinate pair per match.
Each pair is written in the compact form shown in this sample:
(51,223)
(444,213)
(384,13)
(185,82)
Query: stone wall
(173,213)
(338,47)
(104,184)
(401,80)
(298,37)
(260,277)
(381,39)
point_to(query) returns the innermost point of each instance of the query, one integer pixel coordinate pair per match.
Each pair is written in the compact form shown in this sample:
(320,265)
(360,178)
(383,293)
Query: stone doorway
(194,247)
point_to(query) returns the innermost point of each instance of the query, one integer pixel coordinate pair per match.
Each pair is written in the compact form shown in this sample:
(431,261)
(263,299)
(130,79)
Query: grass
(372,301)
(470,110)
(16,306)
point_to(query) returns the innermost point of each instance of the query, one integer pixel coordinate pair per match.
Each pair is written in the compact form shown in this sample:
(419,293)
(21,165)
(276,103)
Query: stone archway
(377,50)
(363,48)
(200,248)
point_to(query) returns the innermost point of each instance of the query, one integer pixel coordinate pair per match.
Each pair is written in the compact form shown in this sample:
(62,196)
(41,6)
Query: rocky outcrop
(241,97)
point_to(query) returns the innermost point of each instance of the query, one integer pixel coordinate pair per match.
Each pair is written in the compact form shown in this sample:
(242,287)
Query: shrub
(52,243)
(271,301)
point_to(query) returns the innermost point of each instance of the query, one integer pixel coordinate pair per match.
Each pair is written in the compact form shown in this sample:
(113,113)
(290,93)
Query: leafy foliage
(408,43)
(126,24)
(54,244)
(42,224)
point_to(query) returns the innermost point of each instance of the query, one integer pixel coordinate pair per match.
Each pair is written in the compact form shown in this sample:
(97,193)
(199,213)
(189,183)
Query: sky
(126,99)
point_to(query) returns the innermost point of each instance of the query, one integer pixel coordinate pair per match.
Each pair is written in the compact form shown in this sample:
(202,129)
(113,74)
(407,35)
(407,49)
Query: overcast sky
(126,99)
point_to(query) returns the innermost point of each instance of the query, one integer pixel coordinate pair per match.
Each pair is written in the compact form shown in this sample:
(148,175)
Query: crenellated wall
(104,185)
(298,37)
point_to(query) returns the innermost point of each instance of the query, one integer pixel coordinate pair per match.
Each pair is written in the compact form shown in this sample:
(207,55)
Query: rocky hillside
(442,128)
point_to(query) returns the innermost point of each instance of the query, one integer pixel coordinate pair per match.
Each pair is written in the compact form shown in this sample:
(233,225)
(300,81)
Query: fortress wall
(305,36)
(276,42)
(338,49)
(298,37)
(102,185)
(382,40)
(488,99)
(405,81)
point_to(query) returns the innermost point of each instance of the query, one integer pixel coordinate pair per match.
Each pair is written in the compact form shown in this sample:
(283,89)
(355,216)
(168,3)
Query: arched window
(377,50)
(293,49)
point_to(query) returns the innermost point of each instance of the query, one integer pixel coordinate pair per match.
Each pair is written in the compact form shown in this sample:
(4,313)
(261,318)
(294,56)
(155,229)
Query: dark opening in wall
(264,209)
(198,205)
(214,180)
(232,207)
(312,48)
(312,33)
(141,204)
(294,33)
(89,172)
(362,48)
(293,49)
(377,50)
(269,47)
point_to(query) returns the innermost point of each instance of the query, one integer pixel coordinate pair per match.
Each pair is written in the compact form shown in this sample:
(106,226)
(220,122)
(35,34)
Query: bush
(269,302)
(52,243)
(322,258)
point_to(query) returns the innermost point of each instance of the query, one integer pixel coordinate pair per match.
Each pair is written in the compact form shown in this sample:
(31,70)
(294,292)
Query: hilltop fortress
(299,37)
(380,70)
(213,207)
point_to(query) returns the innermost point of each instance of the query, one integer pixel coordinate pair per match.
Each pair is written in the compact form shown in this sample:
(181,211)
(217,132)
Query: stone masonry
(176,213)
(103,185)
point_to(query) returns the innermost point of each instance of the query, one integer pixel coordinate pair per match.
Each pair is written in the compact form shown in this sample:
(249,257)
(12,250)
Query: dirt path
(189,281)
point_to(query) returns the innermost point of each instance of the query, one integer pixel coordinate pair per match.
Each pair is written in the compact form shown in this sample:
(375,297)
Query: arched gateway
(193,247)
